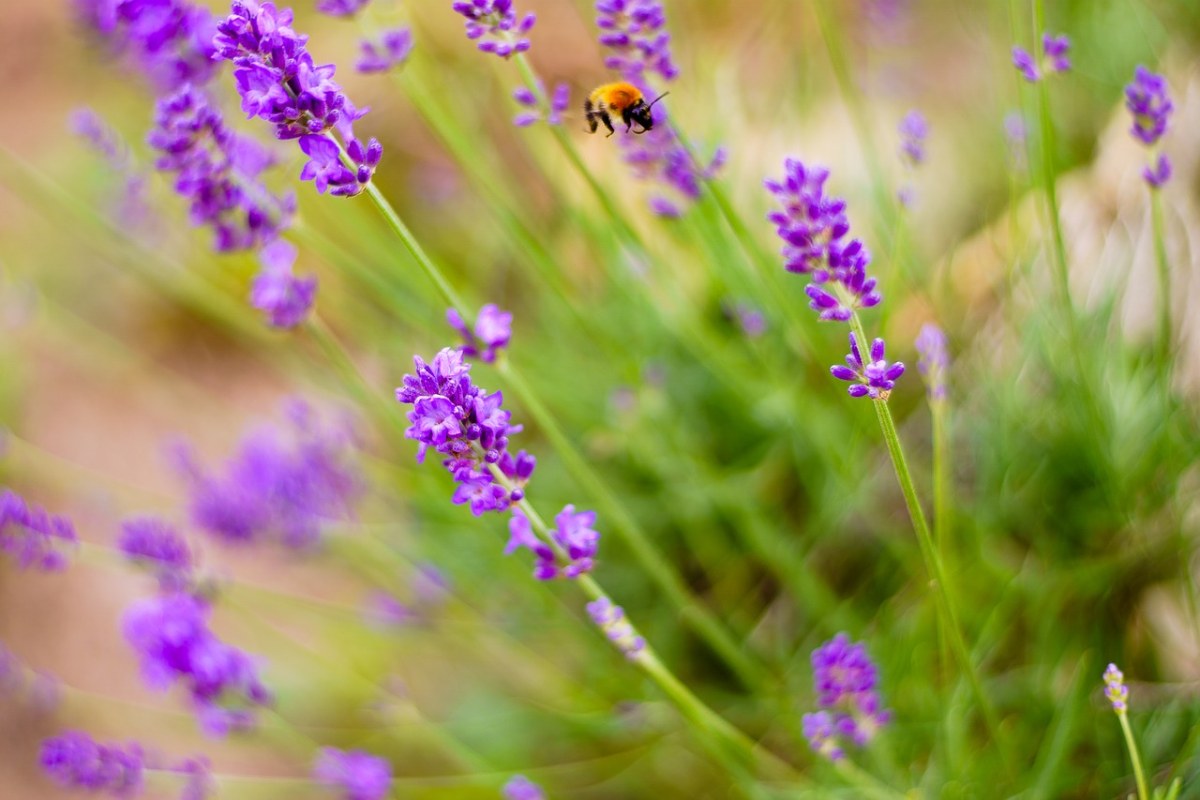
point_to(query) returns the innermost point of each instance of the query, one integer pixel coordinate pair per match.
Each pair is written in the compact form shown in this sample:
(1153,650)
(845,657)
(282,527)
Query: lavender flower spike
(171,635)
(453,416)
(75,760)
(634,31)
(874,379)
(34,537)
(1115,689)
(495,23)
(279,82)
(521,788)
(1147,100)
(359,775)
(933,360)
(341,8)
(844,678)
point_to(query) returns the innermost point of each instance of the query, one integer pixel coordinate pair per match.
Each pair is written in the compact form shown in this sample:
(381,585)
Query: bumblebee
(619,98)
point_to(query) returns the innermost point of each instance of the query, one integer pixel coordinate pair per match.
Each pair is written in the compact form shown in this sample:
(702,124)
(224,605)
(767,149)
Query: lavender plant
(299,611)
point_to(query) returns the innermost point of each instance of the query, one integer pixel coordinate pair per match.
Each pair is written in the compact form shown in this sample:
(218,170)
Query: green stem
(736,750)
(1131,744)
(1166,330)
(933,561)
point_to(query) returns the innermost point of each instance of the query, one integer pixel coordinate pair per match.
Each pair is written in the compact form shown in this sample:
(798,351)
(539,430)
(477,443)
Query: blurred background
(1071,534)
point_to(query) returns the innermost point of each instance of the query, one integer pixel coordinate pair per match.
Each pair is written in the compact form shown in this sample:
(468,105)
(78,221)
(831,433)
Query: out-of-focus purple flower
(635,33)
(12,673)
(1115,689)
(386,610)
(169,40)
(1147,100)
(31,535)
(391,51)
(1159,173)
(153,543)
(914,129)
(528,100)
(822,731)
(283,297)
(875,378)
(279,82)
(611,619)
(453,416)
(277,485)
(496,25)
(131,210)
(933,360)
(1054,58)
(1016,133)
(845,679)
(76,761)
(521,788)
(217,172)
(341,8)
(357,774)
(748,317)
(198,779)
(659,156)
(171,636)
(814,229)
(493,330)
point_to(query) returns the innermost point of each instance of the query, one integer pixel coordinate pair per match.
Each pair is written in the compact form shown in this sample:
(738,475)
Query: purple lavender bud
(575,534)
(933,360)
(634,30)
(279,294)
(913,131)
(659,156)
(1159,173)
(497,24)
(341,8)
(524,96)
(391,52)
(34,537)
(1026,64)
(1147,100)
(821,731)
(91,126)
(1055,50)
(286,486)
(493,330)
(560,101)
(874,378)
(611,620)
(171,636)
(521,788)
(217,172)
(357,774)
(75,761)
(152,543)
(1115,689)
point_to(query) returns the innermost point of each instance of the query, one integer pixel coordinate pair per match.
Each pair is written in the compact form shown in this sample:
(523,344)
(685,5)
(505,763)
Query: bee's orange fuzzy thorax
(617,96)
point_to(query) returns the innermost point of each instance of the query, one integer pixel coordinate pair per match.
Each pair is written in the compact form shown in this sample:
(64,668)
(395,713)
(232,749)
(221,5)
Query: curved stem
(933,561)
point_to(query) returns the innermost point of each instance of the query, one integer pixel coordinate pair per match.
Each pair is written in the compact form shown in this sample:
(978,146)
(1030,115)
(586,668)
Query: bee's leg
(590,112)
(607,120)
